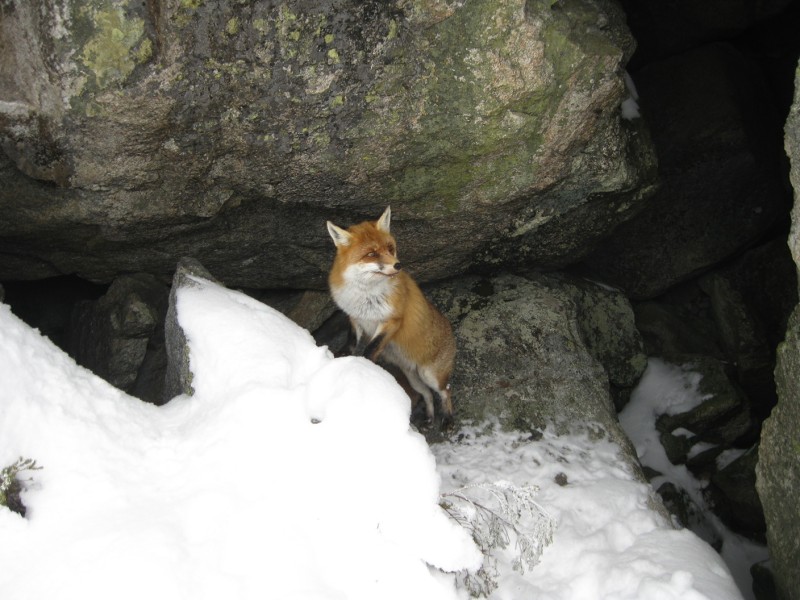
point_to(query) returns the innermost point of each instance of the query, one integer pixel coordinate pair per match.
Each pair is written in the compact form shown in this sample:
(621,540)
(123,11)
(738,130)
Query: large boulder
(524,356)
(778,469)
(721,189)
(134,133)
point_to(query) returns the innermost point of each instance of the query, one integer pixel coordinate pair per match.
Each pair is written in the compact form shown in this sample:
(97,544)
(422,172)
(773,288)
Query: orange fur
(391,316)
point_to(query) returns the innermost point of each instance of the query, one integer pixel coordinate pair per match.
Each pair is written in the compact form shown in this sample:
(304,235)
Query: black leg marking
(371,348)
(361,346)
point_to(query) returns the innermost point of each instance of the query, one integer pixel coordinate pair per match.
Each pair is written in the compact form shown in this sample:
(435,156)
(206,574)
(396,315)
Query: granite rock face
(135,133)
(778,469)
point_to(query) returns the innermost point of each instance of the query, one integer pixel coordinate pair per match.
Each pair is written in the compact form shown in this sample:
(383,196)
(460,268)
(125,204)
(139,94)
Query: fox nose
(397,266)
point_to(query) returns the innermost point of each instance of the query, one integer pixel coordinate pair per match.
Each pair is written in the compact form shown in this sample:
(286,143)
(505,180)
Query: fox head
(367,248)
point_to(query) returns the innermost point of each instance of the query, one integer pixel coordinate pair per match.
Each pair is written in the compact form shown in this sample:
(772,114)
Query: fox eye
(372,254)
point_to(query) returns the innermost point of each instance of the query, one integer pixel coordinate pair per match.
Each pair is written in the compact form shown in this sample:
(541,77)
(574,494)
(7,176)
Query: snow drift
(287,474)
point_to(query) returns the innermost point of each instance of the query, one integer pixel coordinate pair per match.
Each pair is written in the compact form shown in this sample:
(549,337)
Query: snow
(609,543)
(672,389)
(291,474)
(630,106)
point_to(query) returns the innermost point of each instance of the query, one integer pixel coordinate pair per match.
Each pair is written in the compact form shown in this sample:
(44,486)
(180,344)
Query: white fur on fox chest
(364,297)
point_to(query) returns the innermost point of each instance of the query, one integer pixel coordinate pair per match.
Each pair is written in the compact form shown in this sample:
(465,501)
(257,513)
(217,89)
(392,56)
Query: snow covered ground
(673,389)
(291,474)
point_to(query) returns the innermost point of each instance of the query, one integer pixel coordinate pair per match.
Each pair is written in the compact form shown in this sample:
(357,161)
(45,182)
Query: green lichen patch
(232,26)
(118,44)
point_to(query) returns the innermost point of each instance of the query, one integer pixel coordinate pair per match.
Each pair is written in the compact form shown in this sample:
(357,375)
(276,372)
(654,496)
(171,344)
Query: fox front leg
(361,346)
(361,339)
(380,338)
(369,347)
(373,350)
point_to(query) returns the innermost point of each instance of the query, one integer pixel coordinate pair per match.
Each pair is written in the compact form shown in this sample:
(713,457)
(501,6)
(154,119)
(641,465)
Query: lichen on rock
(172,126)
(117,45)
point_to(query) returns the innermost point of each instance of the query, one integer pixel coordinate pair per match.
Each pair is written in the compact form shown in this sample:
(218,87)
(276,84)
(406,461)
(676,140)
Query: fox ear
(339,235)
(385,220)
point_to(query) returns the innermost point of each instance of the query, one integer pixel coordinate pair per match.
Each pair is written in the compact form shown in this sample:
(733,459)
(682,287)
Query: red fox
(389,313)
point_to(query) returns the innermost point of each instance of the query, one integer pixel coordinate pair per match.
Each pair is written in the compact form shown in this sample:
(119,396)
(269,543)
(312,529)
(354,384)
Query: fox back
(391,317)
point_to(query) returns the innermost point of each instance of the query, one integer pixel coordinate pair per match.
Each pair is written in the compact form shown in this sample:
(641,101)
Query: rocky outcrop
(778,469)
(134,133)
(608,328)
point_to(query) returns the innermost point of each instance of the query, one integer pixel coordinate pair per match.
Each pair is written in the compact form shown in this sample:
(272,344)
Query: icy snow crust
(290,474)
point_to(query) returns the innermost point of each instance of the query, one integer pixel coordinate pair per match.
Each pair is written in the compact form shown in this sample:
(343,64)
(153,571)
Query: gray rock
(111,336)
(792,146)
(309,308)
(689,514)
(736,313)
(522,358)
(751,300)
(778,469)
(723,418)
(743,336)
(677,447)
(763,281)
(608,328)
(312,309)
(178,377)
(137,133)
(734,498)
(704,464)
